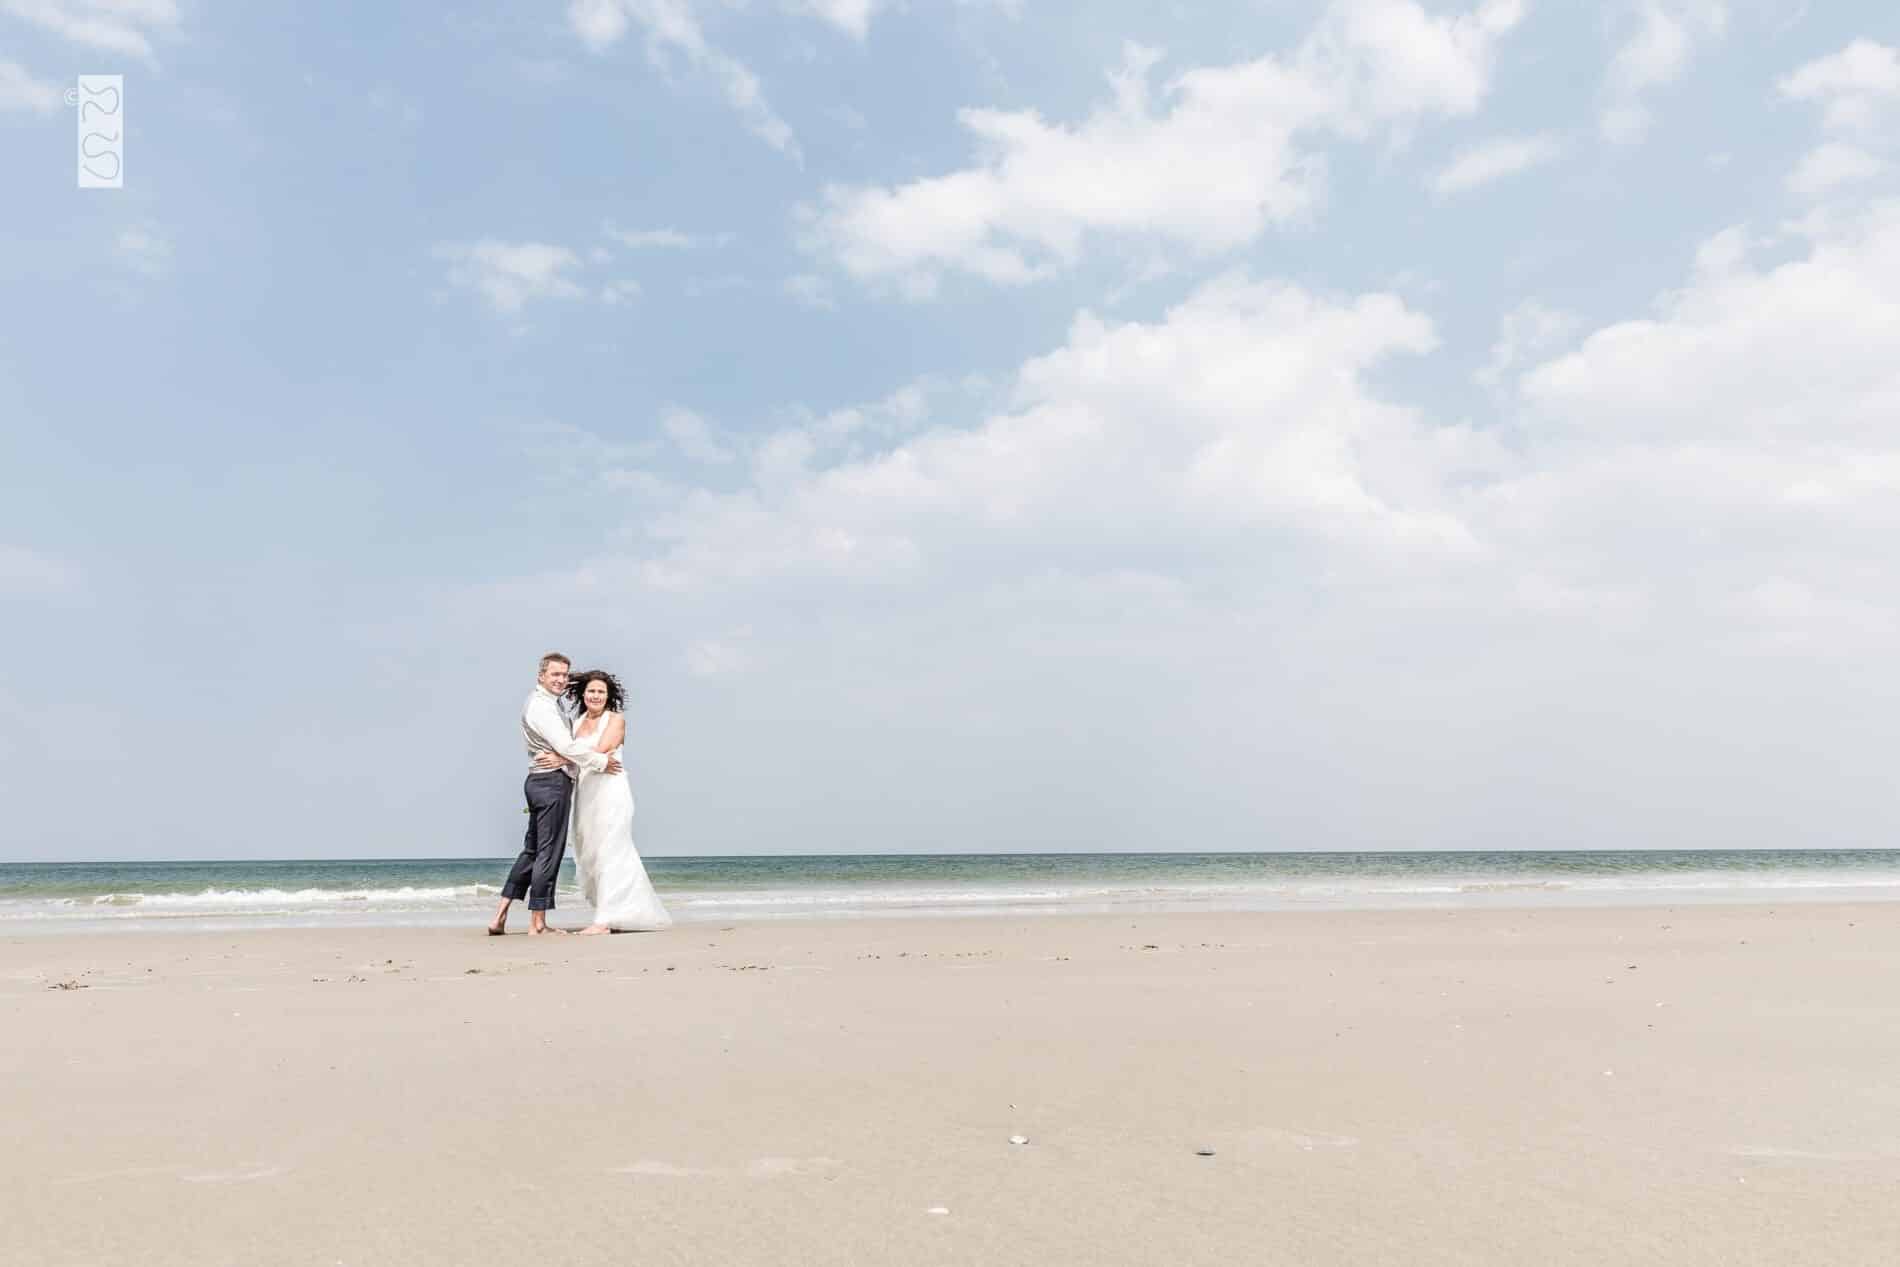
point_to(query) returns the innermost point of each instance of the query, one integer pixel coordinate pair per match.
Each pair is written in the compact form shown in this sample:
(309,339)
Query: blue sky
(970,425)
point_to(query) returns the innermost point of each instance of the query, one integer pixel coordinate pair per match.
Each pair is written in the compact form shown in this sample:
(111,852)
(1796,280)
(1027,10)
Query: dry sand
(1692,1085)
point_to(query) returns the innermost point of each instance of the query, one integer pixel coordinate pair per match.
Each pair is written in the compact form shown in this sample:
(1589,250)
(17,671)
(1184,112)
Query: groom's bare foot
(594,930)
(498,930)
(554,932)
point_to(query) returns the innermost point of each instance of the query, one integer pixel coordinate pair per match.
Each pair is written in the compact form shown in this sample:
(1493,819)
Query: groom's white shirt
(546,730)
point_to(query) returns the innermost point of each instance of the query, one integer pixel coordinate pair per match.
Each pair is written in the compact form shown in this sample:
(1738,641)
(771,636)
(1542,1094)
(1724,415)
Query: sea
(151,896)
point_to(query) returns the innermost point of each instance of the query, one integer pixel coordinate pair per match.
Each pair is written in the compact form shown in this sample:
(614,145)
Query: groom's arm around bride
(545,731)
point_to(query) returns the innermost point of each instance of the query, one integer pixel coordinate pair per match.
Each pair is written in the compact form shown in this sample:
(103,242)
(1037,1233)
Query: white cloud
(810,440)
(509,274)
(1833,166)
(1394,59)
(145,250)
(853,17)
(1858,89)
(1208,161)
(619,291)
(1734,357)
(112,26)
(599,23)
(1656,53)
(1243,412)
(1531,329)
(1494,160)
(1857,85)
(1628,599)
(19,90)
(672,28)
(1656,477)
(1740,437)
(694,437)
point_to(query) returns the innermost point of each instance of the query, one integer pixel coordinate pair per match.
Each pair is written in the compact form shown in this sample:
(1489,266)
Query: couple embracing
(575,766)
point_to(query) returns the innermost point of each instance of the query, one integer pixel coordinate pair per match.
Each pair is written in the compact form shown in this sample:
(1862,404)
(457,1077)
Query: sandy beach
(1635,1085)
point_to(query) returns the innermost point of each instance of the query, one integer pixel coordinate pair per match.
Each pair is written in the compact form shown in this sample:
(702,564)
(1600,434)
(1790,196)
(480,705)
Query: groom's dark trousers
(534,872)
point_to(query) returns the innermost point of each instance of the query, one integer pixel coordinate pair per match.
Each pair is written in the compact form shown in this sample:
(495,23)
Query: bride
(613,879)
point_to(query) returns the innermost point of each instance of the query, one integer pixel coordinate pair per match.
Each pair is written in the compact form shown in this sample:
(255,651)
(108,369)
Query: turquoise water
(51,896)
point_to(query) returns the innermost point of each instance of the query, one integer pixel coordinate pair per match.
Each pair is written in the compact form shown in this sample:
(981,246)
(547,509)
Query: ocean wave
(419,894)
(873,897)
(225,899)
(1711,882)
(1513,886)
(1347,892)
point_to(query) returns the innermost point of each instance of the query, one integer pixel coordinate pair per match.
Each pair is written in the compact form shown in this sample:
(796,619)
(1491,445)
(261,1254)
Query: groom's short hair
(551,657)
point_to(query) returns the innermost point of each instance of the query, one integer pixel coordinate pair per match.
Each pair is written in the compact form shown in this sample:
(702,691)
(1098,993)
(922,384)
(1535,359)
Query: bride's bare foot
(594,930)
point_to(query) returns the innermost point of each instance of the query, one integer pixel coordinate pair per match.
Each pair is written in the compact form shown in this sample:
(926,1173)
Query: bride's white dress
(613,879)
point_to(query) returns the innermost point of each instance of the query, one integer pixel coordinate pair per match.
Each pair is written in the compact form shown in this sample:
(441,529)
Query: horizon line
(980,853)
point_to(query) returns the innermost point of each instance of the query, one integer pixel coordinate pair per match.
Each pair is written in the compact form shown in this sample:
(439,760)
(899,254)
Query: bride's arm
(612,733)
(546,722)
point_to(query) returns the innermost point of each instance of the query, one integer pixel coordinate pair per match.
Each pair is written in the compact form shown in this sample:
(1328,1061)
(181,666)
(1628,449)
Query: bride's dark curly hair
(577,687)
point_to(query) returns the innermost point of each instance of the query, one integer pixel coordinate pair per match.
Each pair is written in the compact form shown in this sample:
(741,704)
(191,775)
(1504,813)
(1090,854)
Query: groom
(545,728)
